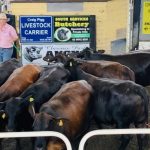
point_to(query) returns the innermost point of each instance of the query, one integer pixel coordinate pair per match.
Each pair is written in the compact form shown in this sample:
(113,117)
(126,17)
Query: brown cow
(68,112)
(19,80)
(108,69)
(105,69)
(56,144)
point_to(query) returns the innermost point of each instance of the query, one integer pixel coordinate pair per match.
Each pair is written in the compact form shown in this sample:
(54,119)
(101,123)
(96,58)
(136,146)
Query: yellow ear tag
(31,99)
(70,64)
(3,115)
(61,123)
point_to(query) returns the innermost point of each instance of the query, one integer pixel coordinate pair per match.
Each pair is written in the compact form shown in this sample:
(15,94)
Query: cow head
(62,34)
(32,53)
(72,65)
(49,56)
(13,108)
(60,74)
(85,53)
(55,143)
(59,58)
(10,108)
(46,122)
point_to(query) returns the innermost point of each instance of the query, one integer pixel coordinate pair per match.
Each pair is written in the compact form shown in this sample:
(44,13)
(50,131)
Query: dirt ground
(94,143)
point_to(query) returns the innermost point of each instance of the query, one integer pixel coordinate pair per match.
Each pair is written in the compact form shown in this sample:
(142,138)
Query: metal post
(130,26)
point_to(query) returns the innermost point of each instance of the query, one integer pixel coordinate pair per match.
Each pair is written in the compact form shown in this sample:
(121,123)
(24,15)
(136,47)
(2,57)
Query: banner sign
(35,29)
(146,18)
(35,53)
(71,29)
(41,35)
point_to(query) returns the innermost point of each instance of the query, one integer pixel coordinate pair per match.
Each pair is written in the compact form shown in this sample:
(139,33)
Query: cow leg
(75,144)
(1,144)
(124,141)
(141,137)
(18,144)
(124,138)
(140,141)
(33,141)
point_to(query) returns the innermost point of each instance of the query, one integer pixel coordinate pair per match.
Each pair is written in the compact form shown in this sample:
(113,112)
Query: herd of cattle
(66,97)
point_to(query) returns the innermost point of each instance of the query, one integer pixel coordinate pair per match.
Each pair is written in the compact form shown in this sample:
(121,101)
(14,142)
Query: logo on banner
(43,37)
(62,34)
(72,29)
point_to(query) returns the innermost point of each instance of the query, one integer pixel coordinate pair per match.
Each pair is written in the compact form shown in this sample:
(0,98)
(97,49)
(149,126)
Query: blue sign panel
(36,29)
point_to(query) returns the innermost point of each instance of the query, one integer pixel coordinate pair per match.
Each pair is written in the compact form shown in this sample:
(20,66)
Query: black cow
(87,52)
(117,102)
(68,112)
(138,62)
(16,108)
(48,55)
(7,67)
(3,120)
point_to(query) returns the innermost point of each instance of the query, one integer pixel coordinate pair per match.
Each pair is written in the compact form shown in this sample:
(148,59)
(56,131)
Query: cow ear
(61,121)
(70,63)
(31,110)
(2,105)
(26,101)
(3,115)
(29,99)
(27,49)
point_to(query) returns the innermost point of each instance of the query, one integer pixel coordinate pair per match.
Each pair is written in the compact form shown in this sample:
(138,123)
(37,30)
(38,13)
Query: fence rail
(65,139)
(36,134)
(111,132)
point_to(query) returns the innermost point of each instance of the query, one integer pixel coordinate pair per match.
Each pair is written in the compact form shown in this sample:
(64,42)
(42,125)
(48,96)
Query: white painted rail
(65,139)
(36,134)
(111,132)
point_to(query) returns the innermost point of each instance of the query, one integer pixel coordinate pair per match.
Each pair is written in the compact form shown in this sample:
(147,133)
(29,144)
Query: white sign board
(144,45)
(34,53)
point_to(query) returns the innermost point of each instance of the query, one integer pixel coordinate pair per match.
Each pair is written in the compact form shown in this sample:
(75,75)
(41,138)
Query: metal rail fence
(111,132)
(36,134)
(65,139)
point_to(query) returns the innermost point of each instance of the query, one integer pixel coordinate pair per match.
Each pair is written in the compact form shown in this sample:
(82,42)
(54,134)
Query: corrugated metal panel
(54,1)
(64,7)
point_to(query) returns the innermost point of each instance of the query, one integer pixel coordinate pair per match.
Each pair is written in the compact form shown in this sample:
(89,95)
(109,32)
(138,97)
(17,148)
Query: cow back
(71,102)
(108,69)
(46,86)
(19,80)
(7,67)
